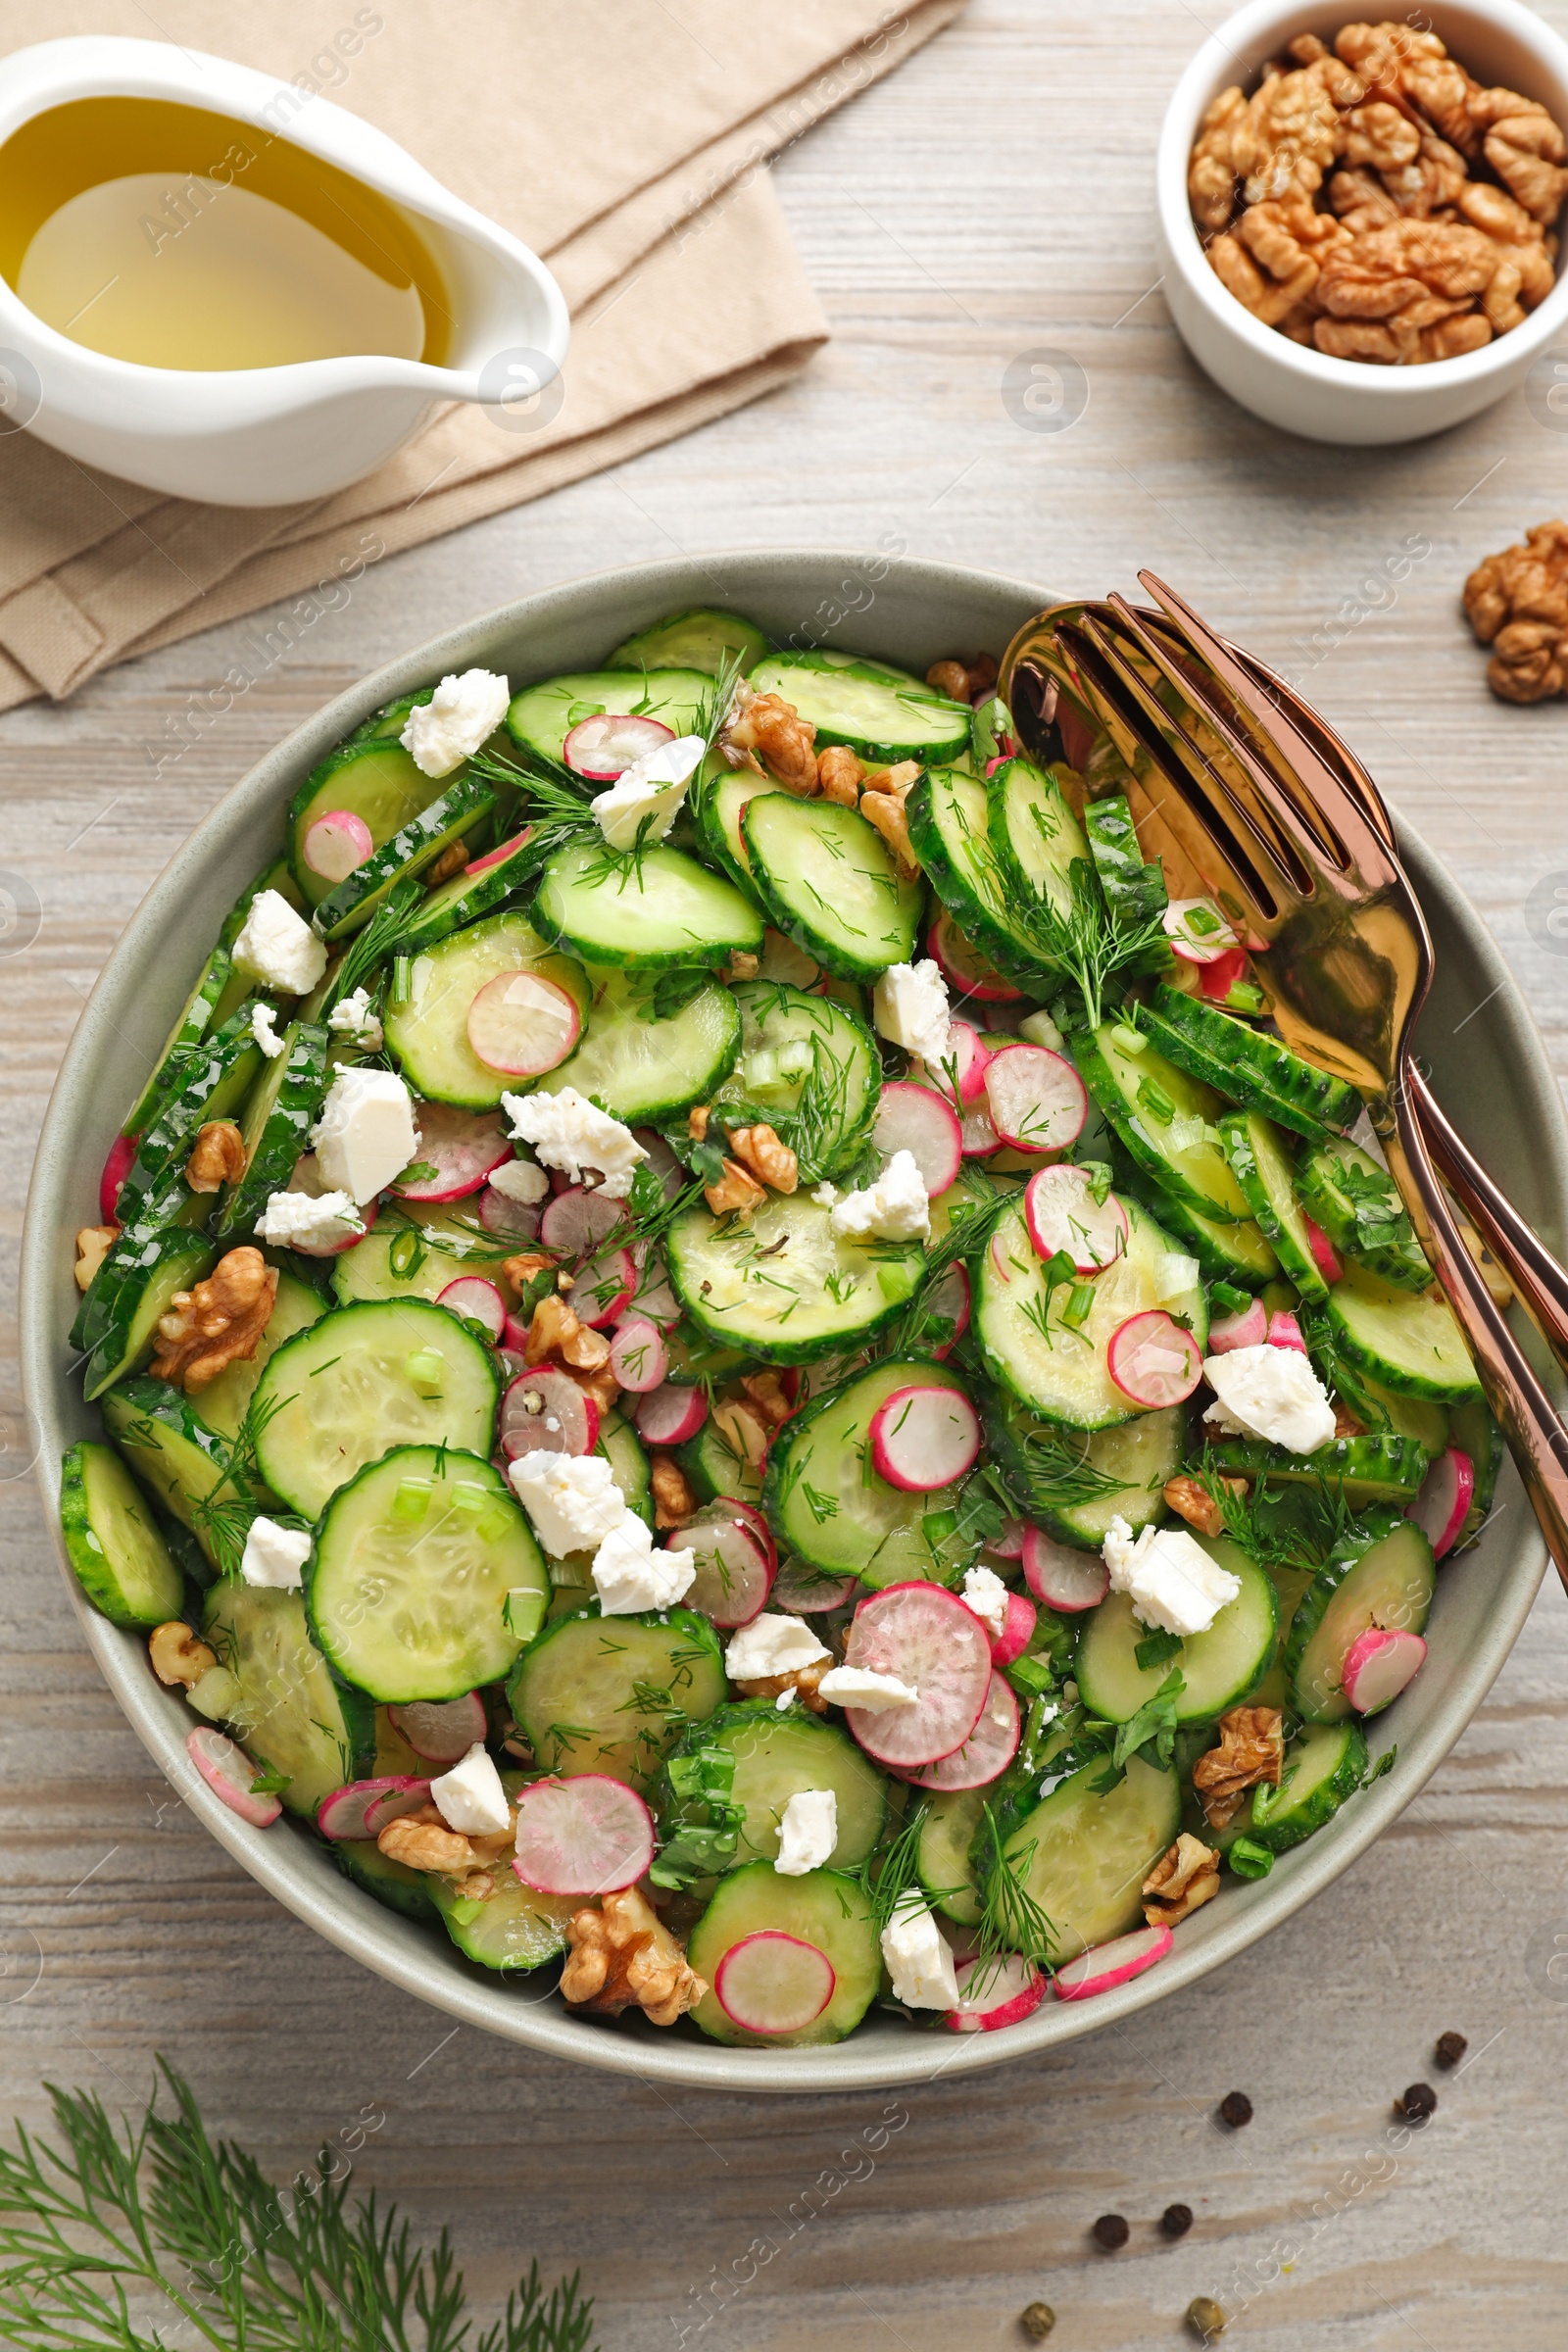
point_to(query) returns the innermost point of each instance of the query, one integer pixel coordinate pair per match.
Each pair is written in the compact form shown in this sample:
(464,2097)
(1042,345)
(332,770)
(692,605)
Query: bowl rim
(299,1873)
(1207,73)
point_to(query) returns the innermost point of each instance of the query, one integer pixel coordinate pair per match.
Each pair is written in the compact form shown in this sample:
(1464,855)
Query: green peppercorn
(1204,2316)
(1036,2319)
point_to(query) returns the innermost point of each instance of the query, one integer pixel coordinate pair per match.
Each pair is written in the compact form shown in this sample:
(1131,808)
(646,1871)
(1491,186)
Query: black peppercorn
(1418,2104)
(1036,2319)
(1112,2231)
(1451,2048)
(1236,2109)
(1176,2220)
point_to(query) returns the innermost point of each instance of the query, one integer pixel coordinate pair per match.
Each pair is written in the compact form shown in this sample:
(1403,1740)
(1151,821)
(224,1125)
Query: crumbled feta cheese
(571,1498)
(274,1556)
(1270,1393)
(911,1007)
(470,1798)
(772,1645)
(786,1700)
(896,1208)
(1171,1581)
(808,1832)
(366,1134)
(918,1955)
(355,1020)
(826,1196)
(519,1180)
(859,1687)
(440,734)
(648,792)
(316,1223)
(631,1575)
(569,1133)
(263,1030)
(985,1593)
(275,946)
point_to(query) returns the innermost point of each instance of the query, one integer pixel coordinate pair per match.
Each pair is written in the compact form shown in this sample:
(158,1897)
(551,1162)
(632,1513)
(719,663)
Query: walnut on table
(218,1323)
(1517,603)
(1250,1751)
(1186,1875)
(622,1957)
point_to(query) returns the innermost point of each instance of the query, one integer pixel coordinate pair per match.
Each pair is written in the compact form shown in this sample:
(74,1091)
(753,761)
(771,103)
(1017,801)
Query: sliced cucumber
(290,1714)
(949,826)
(827,1504)
(542,716)
(427,1028)
(1473,1429)
(830,884)
(1412,1346)
(121,1563)
(1164,1119)
(223,1400)
(1357,1203)
(1218,1667)
(193,1024)
(172,1260)
(614,1695)
(1236,1253)
(642,1069)
(375,780)
(716,1467)
(1083,1858)
(1134,892)
(394,1884)
(1324,1765)
(284,1106)
(363,1379)
(1382,1575)
(173,1452)
(1035,839)
(1248,1064)
(1044,1465)
(211,1082)
(780,1756)
(1379,1468)
(390,720)
(719,803)
(618,1444)
(813,1068)
(702,639)
(943,1855)
(416,845)
(786,1288)
(825,1908)
(660,908)
(409,1254)
(468,897)
(1261,1165)
(511,1931)
(883,713)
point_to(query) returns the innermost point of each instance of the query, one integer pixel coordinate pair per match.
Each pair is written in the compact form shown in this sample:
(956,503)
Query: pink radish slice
(662,1161)
(604,748)
(441,1729)
(755,1520)
(405,1796)
(1066,1580)
(965,971)
(652,1298)
(603,1291)
(970,1058)
(337,844)
(805,1594)
(987,1752)
(916,1119)
(924,1438)
(347,1812)
(1062,1212)
(482,865)
(229,1773)
(733,1573)
(577,1221)
(1153,1359)
(1443,1505)
(1248,1328)
(669,1415)
(1107,1965)
(522,1024)
(978,1136)
(1017,1628)
(1284,1331)
(1009,1545)
(950,1300)
(514,1346)
(587,1836)
(1003,1994)
(1377,1666)
(512,1220)
(1197,931)
(461,1146)
(923,1635)
(1036,1101)
(771,1982)
(1329,1262)
(544,1411)
(638,1356)
(1215,980)
(116,1167)
(480,1302)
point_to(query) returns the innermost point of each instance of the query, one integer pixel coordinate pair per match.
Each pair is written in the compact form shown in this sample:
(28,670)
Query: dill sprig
(1094,942)
(969,1228)
(225,1519)
(376,944)
(1293,1526)
(1010,1919)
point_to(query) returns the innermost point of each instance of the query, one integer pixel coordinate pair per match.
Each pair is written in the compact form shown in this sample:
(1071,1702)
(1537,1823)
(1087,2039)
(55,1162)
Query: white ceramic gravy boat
(268,436)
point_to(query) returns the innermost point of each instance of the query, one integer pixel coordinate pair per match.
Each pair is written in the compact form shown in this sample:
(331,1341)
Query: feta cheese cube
(470,1798)
(274,1556)
(519,1180)
(366,1134)
(631,1575)
(316,1223)
(460,717)
(896,1208)
(572,1499)
(570,1133)
(808,1832)
(910,1006)
(859,1687)
(1171,1581)
(650,790)
(1272,1393)
(277,947)
(826,1196)
(919,1956)
(773,1644)
(985,1593)
(355,1020)
(265,1033)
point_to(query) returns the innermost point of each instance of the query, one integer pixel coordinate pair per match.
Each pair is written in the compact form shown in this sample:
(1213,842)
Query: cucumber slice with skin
(1034,837)
(170,1206)
(825,1908)
(416,845)
(828,1505)
(223,1400)
(702,639)
(172,1260)
(786,1288)
(1261,1165)
(1473,1429)
(620,1446)
(1219,1667)
(1238,1253)
(467,897)
(719,803)
(363,1379)
(1134,892)
(780,1756)
(377,781)
(1412,1346)
(291,1713)
(885,715)
(413,1561)
(715,1467)
(542,716)
(1084,1856)
(1378,1468)
(660,908)
(1382,1574)
(1246,1064)
(427,1030)
(644,1070)
(1324,1765)
(943,1855)
(614,1695)
(511,1931)
(407,1257)
(830,884)
(1357,1203)
(284,1106)
(841,1083)
(1139,1455)
(1163,1119)
(394,1884)
(213,1080)
(192,1026)
(120,1560)
(950,828)
(171,1451)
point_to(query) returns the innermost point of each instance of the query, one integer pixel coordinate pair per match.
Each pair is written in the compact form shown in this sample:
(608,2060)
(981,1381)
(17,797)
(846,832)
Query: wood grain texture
(993,199)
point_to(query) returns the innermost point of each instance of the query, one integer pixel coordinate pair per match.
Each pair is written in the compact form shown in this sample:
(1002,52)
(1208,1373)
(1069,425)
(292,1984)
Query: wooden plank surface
(989,200)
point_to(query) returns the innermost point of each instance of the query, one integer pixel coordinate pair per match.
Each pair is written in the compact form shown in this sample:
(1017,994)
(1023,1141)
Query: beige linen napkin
(623,139)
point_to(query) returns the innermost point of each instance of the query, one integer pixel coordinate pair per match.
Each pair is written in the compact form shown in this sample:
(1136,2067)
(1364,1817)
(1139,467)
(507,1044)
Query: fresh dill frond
(224,1518)
(1295,1526)
(1094,943)
(1012,1920)
(376,944)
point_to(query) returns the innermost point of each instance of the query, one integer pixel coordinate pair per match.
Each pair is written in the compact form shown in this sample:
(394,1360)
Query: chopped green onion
(1131,1041)
(469,1498)
(412,1499)
(522,1612)
(1245,996)
(426,1369)
(1249,1859)
(1154,1099)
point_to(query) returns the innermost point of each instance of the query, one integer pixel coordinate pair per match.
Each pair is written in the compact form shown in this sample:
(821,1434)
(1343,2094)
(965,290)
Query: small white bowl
(1346,401)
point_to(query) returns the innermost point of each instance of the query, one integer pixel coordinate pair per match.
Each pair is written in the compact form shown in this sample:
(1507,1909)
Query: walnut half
(1517,603)
(1250,1751)
(622,1957)
(1185,1876)
(218,1323)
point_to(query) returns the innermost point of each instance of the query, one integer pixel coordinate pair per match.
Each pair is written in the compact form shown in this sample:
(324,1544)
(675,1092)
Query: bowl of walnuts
(1361,221)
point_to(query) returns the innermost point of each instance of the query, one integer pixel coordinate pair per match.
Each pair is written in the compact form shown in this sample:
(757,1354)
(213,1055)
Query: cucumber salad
(734,1359)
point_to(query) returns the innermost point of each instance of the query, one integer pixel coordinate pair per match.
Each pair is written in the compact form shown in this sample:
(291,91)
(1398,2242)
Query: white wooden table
(991,200)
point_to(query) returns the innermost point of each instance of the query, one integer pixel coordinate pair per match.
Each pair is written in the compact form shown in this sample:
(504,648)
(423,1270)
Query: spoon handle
(1540,1282)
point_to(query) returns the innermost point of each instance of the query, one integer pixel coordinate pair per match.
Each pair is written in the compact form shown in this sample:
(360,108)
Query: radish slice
(603,1291)
(1329,1262)
(924,1438)
(964,970)
(347,1812)
(1107,1965)
(336,845)
(514,1347)
(544,1411)
(662,1161)
(771,1982)
(1017,1630)
(577,1221)
(229,1771)
(669,1415)
(1215,980)
(952,1300)
(979,1136)
(1377,1666)
(482,865)
(604,748)
(804,1593)
(924,1636)
(1197,931)
(1009,1545)
(511,1220)
(480,1302)
(1066,1580)
(917,1119)
(116,1167)
(405,1796)
(1249,1328)
(461,1146)
(989,1749)
(652,1298)
(522,1024)
(1443,1505)
(1153,1359)
(441,1729)
(1284,1331)
(968,1059)
(734,1575)
(638,1356)
(1062,1212)
(755,1520)
(587,1836)
(1036,1101)
(1003,1994)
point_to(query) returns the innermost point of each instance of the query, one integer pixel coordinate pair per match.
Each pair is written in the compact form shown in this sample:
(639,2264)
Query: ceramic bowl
(1346,401)
(1488,1066)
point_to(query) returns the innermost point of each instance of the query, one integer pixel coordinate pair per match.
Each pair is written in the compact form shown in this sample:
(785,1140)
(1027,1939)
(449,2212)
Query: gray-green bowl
(1487,1067)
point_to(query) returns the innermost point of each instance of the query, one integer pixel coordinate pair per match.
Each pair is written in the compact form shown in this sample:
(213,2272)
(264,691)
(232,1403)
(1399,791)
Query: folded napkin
(625,141)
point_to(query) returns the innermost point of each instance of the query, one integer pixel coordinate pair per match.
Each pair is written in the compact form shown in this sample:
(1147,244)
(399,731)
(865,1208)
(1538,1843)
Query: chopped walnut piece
(742,1427)
(1251,1750)
(742,966)
(840,774)
(1345,1423)
(768,1393)
(453,860)
(554,1329)
(176,1655)
(771,727)
(885,812)
(697,1122)
(521,1271)
(217,1324)
(963,676)
(769,1160)
(1517,603)
(93,1245)
(674,1499)
(1185,1876)
(737,1193)
(422,1842)
(600,1384)
(899,781)
(802,1680)
(1211,174)
(1194,1503)
(622,1957)
(216,1157)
